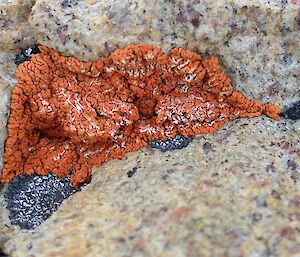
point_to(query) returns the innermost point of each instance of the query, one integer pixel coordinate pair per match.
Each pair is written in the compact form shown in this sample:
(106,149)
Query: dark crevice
(26,54)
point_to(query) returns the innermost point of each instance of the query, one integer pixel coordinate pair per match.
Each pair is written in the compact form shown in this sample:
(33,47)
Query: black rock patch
(178,142)
(131,172)
(26,54)
(293,112)
(32,199)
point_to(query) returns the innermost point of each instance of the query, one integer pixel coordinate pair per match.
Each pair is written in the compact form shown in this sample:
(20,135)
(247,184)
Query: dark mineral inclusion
(178,142)
(32,199)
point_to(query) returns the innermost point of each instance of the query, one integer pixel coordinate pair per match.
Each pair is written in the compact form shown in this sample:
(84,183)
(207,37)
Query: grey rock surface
(234,193)
(258,42)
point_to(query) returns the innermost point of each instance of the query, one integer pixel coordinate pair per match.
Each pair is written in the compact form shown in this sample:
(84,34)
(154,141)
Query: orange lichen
(68,115)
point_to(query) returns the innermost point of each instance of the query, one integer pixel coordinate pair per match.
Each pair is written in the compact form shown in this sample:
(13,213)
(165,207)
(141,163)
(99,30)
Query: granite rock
(258,42)
(233,193)
(6,229)
(15,32)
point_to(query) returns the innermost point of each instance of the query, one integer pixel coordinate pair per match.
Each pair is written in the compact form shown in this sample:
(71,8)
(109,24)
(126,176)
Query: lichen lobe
(32,199)
(70,115)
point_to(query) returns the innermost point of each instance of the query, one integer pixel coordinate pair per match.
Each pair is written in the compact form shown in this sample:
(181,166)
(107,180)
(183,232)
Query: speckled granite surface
(258,41)
(233,193)
(15,32)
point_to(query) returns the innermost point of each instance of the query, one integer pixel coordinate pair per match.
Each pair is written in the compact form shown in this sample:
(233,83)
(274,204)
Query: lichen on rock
(177,142)
(32,199)
(68,114)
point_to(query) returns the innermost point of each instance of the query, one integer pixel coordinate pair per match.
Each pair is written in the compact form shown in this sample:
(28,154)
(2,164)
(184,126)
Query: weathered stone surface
(15,32)
(235,192)
(237,189)
(258,41)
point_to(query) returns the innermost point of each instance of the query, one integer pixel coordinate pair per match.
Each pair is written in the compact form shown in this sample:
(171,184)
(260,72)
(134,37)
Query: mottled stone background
(233,193)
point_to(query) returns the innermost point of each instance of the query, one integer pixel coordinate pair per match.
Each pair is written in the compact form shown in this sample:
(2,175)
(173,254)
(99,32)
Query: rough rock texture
(6,229)
(258,41)
(15,32)
(233,193)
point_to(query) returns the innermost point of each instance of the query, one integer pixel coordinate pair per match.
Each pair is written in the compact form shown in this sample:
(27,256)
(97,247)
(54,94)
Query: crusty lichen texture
(68,115)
